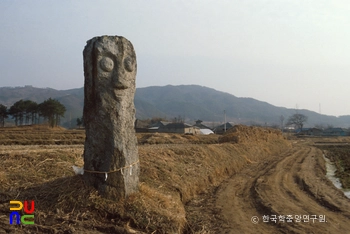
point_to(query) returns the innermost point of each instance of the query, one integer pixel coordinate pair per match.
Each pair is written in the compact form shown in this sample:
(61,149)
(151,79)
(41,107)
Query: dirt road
(288,193)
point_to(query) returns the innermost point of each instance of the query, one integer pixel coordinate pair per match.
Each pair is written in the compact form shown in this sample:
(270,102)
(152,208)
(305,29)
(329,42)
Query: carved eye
(128,64)
(106,64)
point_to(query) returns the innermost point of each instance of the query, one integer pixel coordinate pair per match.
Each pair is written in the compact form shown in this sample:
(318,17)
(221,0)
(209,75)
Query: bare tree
(298,120)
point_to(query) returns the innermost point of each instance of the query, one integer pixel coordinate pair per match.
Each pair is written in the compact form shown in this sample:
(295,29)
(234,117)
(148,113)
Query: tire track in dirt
(292,183)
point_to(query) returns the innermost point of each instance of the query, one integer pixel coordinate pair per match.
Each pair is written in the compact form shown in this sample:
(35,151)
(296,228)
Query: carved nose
(119,83)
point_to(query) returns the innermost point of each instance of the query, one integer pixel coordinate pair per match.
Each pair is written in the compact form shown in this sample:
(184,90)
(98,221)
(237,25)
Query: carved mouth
(120,86)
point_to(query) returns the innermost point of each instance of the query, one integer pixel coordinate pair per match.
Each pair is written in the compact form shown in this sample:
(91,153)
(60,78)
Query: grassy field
(37,165)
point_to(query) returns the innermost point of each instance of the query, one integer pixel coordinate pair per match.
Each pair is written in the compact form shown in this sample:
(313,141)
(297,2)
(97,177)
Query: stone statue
(111,162)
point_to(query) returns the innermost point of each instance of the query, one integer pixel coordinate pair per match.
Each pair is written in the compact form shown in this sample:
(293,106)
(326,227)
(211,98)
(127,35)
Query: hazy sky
(286,52)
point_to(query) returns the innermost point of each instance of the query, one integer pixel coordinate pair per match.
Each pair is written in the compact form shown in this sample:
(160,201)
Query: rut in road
(292,183)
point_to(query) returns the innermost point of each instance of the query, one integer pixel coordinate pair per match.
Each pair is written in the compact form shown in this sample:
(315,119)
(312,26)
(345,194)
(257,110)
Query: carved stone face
(115,62)
(109,115)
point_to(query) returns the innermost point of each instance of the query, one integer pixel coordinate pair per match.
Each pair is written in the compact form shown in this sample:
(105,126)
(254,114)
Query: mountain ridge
(191,102)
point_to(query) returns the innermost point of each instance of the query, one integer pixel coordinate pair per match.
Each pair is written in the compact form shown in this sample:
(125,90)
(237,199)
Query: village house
(141,125)
(221,128)
(200,125)
(170,127)
(310,131)
(335,132)
(182,128)
(156,126)
(204,130)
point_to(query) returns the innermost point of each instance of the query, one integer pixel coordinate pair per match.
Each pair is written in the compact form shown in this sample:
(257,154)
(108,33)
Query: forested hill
(198,102)
(188,101)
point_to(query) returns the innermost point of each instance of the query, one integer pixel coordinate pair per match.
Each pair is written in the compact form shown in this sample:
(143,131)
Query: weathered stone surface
(109,116)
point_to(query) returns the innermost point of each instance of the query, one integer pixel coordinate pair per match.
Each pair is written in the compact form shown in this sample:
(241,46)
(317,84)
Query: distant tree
(31,111)
(13,111)
(298,120)
(79,122)
(3,115)
(17,111)
(60,110)
(24,112)
(178,119)
(52,110)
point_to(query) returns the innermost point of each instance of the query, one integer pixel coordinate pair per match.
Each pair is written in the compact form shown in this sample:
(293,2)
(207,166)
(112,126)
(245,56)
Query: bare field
(183,189)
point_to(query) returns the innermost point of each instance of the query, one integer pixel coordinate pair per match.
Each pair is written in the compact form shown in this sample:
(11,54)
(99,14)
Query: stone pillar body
(109,116)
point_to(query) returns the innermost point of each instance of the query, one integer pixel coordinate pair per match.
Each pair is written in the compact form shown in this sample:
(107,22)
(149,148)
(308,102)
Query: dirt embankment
(173,172)
(242,134)
(286,193)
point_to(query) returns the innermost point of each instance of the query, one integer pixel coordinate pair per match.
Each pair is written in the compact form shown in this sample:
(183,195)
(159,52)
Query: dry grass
(40,135)
(165,138)
(174,169)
